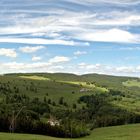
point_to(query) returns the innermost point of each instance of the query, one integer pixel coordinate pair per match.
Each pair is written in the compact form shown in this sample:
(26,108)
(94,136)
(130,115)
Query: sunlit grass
(34,77)
(132,83)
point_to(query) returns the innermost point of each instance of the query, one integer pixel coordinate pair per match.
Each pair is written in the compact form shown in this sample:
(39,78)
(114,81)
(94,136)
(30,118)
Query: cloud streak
(125,2)
(8,52)
(62,26)
(40,41)
(59,59)
(112,35)
(30,49)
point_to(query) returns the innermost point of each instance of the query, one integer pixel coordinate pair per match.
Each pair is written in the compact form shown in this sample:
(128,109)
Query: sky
(70,36)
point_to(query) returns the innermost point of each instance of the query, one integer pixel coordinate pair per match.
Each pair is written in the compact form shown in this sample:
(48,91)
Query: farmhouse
(53,122)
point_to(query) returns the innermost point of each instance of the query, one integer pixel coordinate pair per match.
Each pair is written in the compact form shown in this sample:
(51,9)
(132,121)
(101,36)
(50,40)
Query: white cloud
(30,49)
(8,52)
(130,48)
(80,52)
(64,26)
(108,69)
(125,69)
(40,41)
(118,2)
(89,67)
(36,58)
(81,68)
(85,35)
(118,19)
(127,2)
(13,67)
(59,59)
(111,35)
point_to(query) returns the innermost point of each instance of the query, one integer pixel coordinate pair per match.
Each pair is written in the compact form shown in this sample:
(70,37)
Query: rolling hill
(78,103)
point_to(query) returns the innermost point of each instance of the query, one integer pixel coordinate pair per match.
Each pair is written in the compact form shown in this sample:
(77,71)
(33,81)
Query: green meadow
(132,83)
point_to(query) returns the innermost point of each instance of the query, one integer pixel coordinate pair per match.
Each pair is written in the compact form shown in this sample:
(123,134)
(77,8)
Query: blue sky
(74,36)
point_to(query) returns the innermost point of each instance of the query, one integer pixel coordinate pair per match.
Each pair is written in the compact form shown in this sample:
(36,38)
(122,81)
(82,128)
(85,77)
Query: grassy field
(132,83)
(59,85)
(51,87)
(125,132)
(34,77)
